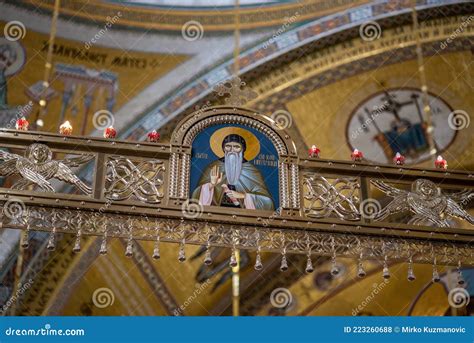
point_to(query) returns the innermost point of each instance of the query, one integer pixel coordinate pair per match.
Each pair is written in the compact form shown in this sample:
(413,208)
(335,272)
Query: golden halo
(253,145)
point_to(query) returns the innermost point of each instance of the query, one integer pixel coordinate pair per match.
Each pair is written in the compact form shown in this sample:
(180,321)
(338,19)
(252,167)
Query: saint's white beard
(233,166)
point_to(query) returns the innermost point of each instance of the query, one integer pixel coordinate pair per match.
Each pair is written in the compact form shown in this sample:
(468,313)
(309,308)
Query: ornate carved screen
(231,177)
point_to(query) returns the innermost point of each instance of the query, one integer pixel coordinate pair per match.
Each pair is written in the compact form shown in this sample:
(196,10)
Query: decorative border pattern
(267,238)
(167,18)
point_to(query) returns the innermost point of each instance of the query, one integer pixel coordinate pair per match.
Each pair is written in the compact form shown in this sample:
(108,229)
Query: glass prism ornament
(233,259)
(77,245)
(411,275)
(51,241)
(360,270)
(208,257)
(129,249)
(156,251)
(385,271)
(258,262)
(436,277)
(461,280)
(284,263)
(103,246)
(334,268)
(309,265)
(181,253)
(25,239)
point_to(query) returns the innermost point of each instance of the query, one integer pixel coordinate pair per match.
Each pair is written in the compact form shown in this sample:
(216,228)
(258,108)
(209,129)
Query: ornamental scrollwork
(331,198)
(127,179)
(268,238)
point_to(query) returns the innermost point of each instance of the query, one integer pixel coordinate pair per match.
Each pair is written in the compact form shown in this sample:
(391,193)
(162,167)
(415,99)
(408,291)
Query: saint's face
(233,147)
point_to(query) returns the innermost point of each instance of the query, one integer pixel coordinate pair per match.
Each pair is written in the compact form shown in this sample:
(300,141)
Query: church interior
(237,158)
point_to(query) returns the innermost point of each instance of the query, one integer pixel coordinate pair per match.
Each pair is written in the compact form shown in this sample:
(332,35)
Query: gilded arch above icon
(234,157)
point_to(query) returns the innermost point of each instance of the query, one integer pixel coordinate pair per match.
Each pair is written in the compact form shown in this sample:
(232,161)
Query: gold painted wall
(133,295)
(322,115)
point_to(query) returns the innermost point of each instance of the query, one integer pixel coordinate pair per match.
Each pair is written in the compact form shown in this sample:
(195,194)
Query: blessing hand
(216,176)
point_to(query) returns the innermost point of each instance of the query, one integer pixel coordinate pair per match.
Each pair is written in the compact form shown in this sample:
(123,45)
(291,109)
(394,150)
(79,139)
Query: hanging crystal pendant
(334,267)
(461,280)
(25,238)
(385,271)
(233,259)
(103,245)
(258,261)
(129,249)
(360,267)
(52,240)
(208,257)
(181,253)
(77,244)
(284,263)
(309,265)
(360,270)
(156,249)
(435,277)
(411,275)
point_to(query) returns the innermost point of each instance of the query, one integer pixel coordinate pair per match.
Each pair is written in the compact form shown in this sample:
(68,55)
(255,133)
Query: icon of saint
(232,181)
